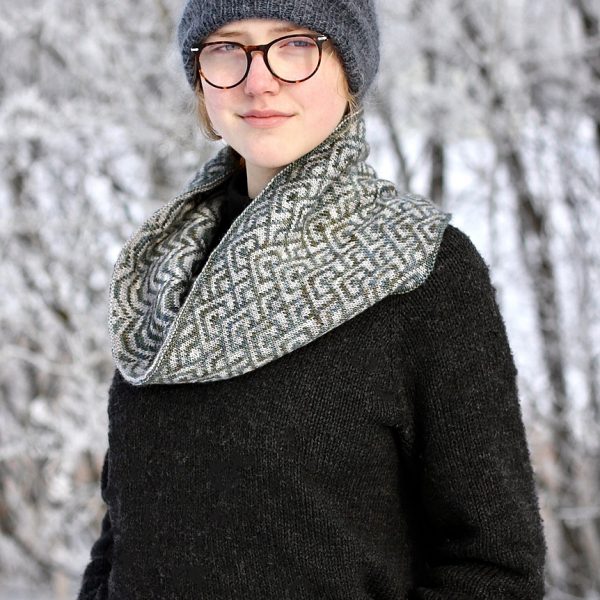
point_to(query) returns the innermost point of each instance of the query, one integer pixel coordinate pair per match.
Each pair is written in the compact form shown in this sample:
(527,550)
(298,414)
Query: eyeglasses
(291,58)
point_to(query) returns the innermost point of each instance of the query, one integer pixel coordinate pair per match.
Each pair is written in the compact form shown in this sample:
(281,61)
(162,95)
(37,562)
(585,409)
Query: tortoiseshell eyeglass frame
(320,39)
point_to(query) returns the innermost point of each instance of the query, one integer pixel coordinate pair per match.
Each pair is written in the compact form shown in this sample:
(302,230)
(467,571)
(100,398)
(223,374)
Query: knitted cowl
(325,240)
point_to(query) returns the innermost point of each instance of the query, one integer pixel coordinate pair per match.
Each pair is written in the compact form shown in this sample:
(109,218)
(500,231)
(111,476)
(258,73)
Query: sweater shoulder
(460,273)
(458,257)
(458,288)
(453,312)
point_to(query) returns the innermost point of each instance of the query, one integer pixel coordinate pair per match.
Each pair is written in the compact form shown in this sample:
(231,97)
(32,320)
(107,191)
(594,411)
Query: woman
(314,395)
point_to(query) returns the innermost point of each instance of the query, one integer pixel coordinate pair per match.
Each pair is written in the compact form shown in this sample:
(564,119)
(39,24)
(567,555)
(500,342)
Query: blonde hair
(207,127)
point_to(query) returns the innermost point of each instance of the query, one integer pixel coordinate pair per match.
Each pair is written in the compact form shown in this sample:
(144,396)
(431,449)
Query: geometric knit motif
(324,240)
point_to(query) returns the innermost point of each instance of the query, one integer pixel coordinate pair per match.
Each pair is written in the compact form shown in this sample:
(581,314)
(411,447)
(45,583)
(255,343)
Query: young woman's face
(310,110)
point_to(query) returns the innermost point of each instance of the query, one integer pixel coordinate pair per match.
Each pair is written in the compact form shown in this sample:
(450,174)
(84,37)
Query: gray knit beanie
(351,24)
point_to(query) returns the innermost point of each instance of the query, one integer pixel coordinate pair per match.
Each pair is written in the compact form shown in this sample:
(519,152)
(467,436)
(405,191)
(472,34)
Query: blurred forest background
(489,107)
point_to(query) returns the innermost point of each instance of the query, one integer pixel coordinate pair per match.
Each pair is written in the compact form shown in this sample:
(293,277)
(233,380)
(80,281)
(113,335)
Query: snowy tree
(490,108)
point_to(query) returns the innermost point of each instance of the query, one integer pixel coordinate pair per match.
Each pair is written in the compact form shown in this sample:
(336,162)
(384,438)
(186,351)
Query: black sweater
(237,200)
(385,460)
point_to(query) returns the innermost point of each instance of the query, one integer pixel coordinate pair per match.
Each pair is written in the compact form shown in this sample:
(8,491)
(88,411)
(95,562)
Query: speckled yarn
(325,240)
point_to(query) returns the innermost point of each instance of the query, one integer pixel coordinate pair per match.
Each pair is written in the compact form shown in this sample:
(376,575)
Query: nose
(259,79)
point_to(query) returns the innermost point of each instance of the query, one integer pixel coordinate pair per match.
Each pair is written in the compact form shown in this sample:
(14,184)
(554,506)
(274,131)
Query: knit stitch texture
(322,242)
(385,460)
(351,24)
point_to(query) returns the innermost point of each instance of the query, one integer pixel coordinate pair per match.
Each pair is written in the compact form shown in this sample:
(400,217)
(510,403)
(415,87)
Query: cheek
(215,103)
(333,101)
(332,88)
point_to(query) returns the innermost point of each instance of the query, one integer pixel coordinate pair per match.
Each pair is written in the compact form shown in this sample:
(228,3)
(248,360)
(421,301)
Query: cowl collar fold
(325,240)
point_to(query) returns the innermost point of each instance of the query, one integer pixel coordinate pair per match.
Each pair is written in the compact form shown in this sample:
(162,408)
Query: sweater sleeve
(482,532)
(94,584)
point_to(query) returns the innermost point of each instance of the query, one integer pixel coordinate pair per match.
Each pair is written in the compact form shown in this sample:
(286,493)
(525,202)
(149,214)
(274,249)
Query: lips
(264,114)
(263,119)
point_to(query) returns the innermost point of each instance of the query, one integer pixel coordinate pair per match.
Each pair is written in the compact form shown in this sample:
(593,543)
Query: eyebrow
(278,29)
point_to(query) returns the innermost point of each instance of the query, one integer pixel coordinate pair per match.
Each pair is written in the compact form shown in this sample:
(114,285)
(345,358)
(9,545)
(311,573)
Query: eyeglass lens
(291,59)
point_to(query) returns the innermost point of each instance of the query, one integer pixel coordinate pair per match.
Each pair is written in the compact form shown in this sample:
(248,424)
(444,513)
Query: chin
(270,160)
(276,163)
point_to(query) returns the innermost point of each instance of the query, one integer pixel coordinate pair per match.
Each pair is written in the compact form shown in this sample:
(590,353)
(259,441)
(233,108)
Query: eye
(222,48)
(299,43)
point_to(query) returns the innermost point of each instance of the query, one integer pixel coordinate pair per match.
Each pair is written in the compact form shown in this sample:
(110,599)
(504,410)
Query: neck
(258,177)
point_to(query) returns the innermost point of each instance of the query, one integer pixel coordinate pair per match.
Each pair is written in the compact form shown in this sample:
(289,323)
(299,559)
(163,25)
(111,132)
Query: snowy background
(489,107)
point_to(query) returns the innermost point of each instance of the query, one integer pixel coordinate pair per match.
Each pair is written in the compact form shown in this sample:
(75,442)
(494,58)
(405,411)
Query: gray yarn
(325,240)
(351,24)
